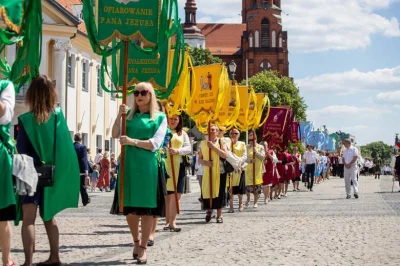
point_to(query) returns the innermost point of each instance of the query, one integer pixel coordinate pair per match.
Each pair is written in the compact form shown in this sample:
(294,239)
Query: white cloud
(352,81)
(205,20)
(321,25)
(349,113)
(390,97)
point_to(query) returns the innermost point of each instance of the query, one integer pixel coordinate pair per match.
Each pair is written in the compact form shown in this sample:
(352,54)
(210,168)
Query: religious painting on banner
(324,139)
(305,129)
(334,142)
(294,132)
(252,109)
(205,93)
(313,139)
(275,128)
(241,122)
(128,20)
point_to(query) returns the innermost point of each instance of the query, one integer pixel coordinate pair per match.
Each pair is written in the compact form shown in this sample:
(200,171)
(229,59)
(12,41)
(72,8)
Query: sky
(344,56)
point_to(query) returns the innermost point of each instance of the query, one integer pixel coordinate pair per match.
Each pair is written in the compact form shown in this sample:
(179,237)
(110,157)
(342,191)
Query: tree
(199,57)
(287,92)
(377,148)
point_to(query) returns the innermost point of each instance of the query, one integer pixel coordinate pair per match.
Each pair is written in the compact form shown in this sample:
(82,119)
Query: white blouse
(8,98)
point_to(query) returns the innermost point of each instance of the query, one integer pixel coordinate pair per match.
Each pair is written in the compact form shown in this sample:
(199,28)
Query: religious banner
(142,67)
(294,132)
(128,20)
(241,122)
(313,138)
(275,128)
(305,129)
(324,140)
(177,99)
(227,110)
(333,143)
(252,109)
(261,116)
(205,92)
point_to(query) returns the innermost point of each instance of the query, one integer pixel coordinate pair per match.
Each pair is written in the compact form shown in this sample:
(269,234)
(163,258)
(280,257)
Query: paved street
(307,228)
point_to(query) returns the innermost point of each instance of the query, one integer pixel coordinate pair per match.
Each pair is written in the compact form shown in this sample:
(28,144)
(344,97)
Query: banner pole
(123,131)
(210,168)
(174,179)
(254,164)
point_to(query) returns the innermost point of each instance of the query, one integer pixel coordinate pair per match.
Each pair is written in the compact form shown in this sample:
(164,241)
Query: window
(265,65)
(251,40)
(99,89)
(257,39)
(265,33)
(273,37)
(22,92)
(84,76)
(85,139)
(112,145)
(280,40)
(69,70)
(99,142)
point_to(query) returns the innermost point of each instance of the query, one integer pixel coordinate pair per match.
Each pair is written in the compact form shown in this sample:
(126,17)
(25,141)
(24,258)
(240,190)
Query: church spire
(190,12)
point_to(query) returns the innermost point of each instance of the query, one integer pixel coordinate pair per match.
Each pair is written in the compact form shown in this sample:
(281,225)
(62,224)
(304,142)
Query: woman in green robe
(145,132)
(7,199)
(36,138)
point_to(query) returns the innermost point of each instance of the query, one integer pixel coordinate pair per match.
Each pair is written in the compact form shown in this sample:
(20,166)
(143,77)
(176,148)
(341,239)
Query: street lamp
(275,94)
(232,70)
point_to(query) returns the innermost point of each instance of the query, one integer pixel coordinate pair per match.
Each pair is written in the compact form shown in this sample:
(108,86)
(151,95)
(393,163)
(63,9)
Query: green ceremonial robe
(7,193)
(141,166)
(65,191)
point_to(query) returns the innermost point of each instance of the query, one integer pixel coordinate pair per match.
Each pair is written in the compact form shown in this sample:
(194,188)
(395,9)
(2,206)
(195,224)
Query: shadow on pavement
(96,246)
(102,263)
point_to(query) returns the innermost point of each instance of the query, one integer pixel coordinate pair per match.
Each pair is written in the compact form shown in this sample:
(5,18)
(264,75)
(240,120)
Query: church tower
(264,43)
(193,35)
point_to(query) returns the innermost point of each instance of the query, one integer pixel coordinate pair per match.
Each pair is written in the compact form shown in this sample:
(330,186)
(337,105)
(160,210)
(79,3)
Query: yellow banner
(252,106)
(262,102)
(241,121)
(228,105)
(180,94)
(205,90)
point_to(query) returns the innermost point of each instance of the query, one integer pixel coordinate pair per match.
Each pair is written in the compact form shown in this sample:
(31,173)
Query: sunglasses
(143,93)
(235,133)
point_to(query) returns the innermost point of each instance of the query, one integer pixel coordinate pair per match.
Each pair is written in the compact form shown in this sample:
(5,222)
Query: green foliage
(199,57)
(287,92)
(377,148)
(299,146)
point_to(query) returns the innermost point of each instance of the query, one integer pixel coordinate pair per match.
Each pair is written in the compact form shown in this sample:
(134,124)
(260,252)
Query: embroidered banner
(275,128)
(305,129)
(128,20)
(241,122)
(294,132)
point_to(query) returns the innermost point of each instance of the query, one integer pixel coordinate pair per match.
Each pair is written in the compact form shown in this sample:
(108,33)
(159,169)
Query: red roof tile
(67,4)
(224,39)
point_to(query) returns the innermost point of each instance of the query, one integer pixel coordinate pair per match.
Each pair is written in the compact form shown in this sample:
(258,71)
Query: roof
(60,5)
(67,5)
(222,39)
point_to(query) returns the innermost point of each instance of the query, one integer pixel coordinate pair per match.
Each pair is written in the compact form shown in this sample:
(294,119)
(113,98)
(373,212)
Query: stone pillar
(61,48)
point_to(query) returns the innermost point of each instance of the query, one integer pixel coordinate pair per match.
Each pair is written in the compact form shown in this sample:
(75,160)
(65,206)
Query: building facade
(259,40)
(67,58)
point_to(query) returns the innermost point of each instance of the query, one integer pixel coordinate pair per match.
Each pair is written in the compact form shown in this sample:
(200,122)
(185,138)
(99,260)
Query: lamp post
(232,70)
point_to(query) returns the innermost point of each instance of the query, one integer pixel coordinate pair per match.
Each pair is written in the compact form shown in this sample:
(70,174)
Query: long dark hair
(179,127)
(41,98)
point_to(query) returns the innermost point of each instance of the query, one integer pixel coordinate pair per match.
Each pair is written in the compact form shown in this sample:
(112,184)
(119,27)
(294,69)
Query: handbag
(186,161)
(227,166)
(46,171)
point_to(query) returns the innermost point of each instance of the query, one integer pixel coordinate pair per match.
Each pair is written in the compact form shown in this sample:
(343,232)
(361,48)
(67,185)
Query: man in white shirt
(350,156)
(98,157)
(311,158)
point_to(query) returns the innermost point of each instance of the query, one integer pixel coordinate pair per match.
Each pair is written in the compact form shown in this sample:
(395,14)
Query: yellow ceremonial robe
(237,149)
(205,184)
(258,166)
(176,143)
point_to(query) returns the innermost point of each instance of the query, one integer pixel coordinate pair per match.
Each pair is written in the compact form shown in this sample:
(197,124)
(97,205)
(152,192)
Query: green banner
(143,67)
(128,20)
(11,12)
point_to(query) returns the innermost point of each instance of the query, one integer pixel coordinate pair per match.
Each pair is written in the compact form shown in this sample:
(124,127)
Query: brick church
(258,39)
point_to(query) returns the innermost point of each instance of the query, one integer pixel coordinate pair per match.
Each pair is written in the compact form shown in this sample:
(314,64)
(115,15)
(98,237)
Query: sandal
(135,255)
(166,227)
(240,207)
(139,261)
(220,220)
(208,216)
(150,243)
(175,229)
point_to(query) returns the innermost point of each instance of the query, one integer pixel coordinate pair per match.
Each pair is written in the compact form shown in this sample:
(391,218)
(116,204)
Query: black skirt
(159,211)
(241,189)
(8,214)
(220,201)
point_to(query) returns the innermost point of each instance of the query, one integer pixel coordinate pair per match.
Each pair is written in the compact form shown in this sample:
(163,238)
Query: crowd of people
(155,149)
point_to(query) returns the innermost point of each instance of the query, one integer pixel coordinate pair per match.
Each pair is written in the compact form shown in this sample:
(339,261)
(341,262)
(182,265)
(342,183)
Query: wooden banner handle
(123,131)
(254,164)
(210,168)
(174,179)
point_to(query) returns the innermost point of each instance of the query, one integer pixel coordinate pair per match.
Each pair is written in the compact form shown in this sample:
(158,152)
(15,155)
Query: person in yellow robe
(237,178)
(213,188)
(258,165)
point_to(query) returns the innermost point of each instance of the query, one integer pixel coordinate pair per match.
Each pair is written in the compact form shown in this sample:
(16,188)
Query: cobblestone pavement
(306,228)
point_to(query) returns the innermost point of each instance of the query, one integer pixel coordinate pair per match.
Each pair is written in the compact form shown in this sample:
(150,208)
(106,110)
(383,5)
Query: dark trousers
(310,171)
(341,170)
(334,170)
(84,194)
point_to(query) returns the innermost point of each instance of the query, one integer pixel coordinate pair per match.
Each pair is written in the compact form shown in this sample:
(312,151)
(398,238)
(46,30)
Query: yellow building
(68,59)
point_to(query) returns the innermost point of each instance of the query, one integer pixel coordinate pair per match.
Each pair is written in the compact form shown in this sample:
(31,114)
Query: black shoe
(150,243)
(311,190)
(139,261)
(356,196)
(348,197)
(208,217)
(87,202)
